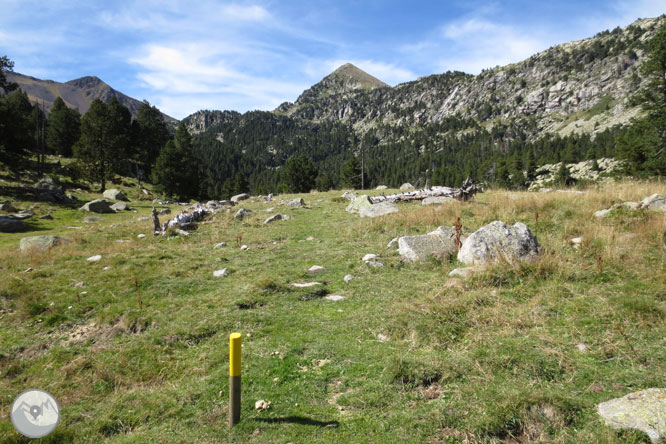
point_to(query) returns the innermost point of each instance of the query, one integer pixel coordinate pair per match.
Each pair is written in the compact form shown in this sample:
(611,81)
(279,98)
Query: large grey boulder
(296,203)
(239,197)
(498,241)
(115,194)
(358,203)
(97,206)
(656,202)
(440,243)
(407,187)
(11,224)
(7,207)
(49,191)
(379,209)
(349,195)
(436,200)
(40,243)
(241,213)
(644,410)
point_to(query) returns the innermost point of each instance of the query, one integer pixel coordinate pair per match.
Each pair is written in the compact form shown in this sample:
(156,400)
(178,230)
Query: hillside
(78,93)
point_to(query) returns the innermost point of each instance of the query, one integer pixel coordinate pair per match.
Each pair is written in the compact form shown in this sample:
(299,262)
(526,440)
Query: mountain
(78,93)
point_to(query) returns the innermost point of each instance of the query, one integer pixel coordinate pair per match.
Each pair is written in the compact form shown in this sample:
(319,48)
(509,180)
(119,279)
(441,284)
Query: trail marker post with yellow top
(234,378)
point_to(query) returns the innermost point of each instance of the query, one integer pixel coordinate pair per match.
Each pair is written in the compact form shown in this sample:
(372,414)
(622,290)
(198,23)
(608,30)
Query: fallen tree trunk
(465,192)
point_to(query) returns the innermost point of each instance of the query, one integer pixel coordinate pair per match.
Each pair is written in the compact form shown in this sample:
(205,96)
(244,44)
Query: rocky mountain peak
(355,78)
(87,82)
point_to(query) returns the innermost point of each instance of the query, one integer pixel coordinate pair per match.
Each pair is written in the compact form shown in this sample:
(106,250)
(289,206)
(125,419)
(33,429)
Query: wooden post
(234,379)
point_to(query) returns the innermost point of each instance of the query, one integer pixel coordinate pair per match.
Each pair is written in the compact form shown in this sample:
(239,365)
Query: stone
(239,197)
(296,203)
(179,232)
(91,219)
(407,187)
(374,264)
(95,258)
(119,206)
(656,202)
(141,236)
(644,410)
(316,269)
(220,245)
(576,242)
(220,273)
(262,405)
(349,195)
(11,224)
(40,243)
(381,188)
(498,241)
(7,207)
(244,247)
(357,203)
(305,284)
(115,194)
(582,347)
(348,277)
(633,206)
(334,297)
(601,214)
(24,214)
(392,242)
(241,213)
(50,191)
(437,200)
(97,206)
(145,191)
(275,218)
(439,243)
(465,272)
(377,210)
(369,257)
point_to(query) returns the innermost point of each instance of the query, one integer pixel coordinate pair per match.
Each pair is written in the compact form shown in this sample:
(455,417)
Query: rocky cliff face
(583,86)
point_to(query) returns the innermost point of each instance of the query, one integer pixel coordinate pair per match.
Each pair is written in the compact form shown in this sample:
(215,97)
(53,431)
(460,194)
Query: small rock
(296,203)
(220,273)
(576,242)
(275,218)
(244,247)
(381,337)
(392,243)
(140,236)
(334,297)
(407,187)
(633,206)
(374,264)
(119,206)
(439,243)
(95,258)
(262,405)
(241,213)
(369,257)
(348,277)
(114,194)
(305,284)
(349,195)
(97,206)
(309,238)
(656,202)
(239,197)
(316,269)
(582,347)
(381,188)
(145,191)
(602,213)
(220,245)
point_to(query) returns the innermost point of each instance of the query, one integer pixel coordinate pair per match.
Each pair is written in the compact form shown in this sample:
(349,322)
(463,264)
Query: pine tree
(563,176)
(63,128)
(176,171)
(151,134)
(104,140)
(299,174)
(654,92)
(350,174)
(17,127)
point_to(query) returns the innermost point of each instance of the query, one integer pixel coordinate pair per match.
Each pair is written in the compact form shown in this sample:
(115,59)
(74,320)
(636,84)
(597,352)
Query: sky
(187,55)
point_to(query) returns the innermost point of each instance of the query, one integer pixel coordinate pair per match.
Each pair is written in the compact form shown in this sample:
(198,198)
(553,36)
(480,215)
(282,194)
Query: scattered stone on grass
(276,217)
(644,410)
(244,247)
(120,206)
(407,187)
(378,209)
(381,188)
(220,245)
(601,214)
(348,277)
(97,206)
(316,269)
(498,241)
(439,243)
(115,194)
(374,264)
(334,297)
(141,236)
(95,258)
(357,203)
(262,405)
(40,243)
(239,197)
(220,273)
(296,203)
(369,257)
(241,213)
(305,284)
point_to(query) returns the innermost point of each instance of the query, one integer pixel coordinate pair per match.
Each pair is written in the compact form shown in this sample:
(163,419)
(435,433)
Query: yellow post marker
(234,378)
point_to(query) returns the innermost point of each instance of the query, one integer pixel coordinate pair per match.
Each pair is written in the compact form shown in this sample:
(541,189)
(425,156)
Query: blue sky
(186,55)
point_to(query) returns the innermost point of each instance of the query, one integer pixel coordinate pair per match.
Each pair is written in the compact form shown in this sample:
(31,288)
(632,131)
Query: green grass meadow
(135,346)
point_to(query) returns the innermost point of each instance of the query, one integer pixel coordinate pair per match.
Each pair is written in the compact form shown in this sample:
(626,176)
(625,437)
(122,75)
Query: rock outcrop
(380,209)
(644,410)
(439,243)
(40,243)
(97,206)
(498,241)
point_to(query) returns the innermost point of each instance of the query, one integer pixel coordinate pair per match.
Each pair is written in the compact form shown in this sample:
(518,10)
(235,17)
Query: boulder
(50,191)
(498,241)
(97,206)
(381,188)
(349,195)
(380,209)
(11,224)
(119,206)
(7,207)
(40,243)
(644,410)
(358,203)
(239,197)
(436,200)
(296,203)
(407,187)
(241,213)
(275,218)
(115,194)
(23,214)
(656,202)
(439,243)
